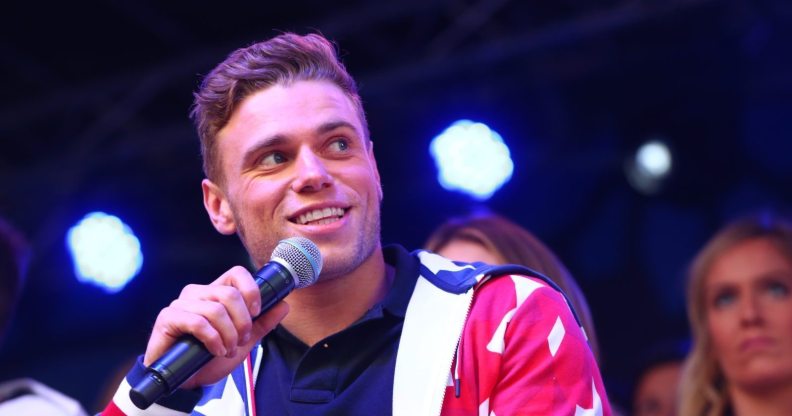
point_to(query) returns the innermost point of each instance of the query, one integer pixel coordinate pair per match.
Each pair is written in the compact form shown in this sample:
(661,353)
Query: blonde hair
(703,387)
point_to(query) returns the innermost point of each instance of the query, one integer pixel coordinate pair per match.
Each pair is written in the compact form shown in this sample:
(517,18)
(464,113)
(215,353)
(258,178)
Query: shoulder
(502,285)
(509,296)
(515,290)
(451,276)
(459,277)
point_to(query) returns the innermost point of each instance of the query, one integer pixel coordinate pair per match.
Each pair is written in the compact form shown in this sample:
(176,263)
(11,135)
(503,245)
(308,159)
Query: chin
(342,261)
(766,376)
(335,267)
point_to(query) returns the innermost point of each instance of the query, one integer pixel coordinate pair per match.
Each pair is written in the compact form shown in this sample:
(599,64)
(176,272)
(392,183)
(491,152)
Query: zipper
(457,382)
(455,363)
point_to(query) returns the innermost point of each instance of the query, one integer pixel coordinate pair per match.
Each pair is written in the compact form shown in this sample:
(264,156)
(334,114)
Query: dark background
(93,116)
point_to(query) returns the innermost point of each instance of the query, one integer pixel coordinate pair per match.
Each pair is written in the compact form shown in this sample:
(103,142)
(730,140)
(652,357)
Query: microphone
(295,263)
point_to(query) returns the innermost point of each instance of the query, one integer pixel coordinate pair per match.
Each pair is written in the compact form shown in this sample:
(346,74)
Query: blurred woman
(740,312)
(493,239)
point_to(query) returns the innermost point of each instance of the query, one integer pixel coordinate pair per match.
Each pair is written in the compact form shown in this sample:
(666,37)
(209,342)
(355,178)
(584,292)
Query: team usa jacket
(477,340)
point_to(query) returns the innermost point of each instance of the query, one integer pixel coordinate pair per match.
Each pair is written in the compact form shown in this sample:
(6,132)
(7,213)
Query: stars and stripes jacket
(477,340)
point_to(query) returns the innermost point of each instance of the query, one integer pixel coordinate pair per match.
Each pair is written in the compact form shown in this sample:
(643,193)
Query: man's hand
(220,316)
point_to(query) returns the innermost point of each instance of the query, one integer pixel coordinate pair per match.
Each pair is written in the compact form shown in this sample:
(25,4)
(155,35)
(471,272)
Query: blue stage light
(471,158)
(105,251)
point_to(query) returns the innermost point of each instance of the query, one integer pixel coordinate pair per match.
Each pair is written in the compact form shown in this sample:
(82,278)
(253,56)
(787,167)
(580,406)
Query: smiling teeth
(328,214)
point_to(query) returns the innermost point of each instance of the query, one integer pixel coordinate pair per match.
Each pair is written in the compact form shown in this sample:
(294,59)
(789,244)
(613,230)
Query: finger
(242,280)
(237,291)
(235,308)
(219,316)
(172,324)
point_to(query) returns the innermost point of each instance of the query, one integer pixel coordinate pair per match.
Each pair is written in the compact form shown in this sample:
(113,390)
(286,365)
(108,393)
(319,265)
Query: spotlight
(105,251)
(471,158)
(650,165)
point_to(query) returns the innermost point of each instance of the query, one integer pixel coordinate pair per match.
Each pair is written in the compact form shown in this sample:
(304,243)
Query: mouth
(756,344)
(319,216)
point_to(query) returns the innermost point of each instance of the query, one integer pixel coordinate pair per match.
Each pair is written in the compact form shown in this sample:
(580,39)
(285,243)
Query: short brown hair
(283,59)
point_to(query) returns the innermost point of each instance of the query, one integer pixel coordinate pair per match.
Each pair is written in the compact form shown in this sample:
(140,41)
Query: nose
(751,310)
(311,174)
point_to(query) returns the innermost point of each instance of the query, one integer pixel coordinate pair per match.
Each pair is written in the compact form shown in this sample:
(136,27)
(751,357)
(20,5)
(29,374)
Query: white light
(471,158)
(105,251)
(650,165)
(654,158)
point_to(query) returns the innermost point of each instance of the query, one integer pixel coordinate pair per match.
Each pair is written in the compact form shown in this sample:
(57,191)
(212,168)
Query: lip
(757,343)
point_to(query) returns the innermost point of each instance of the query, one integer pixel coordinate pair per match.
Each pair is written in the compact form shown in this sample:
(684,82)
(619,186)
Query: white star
(484,408)
(556,336)
(497,343)
(523,287)
(230,403)
(596,406)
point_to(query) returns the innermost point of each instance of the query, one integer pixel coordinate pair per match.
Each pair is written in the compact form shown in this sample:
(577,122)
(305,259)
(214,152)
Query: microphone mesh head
(303,256)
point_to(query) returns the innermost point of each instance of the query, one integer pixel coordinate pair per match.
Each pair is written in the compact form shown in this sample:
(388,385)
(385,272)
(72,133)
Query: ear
(217,206)
(376,171)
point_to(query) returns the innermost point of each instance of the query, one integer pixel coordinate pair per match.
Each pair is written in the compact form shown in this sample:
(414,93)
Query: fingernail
(255,308)
(221,352)
(245,339)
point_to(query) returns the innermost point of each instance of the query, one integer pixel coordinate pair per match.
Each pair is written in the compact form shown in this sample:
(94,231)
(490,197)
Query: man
(287,153)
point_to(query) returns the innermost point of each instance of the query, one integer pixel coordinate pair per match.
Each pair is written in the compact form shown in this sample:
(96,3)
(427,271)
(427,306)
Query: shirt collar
(406,266)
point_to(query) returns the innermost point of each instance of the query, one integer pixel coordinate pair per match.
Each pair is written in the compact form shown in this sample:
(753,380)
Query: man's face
(295,163)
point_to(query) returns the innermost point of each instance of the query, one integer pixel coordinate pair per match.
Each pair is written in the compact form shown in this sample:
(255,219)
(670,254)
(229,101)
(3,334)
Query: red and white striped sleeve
(523,353)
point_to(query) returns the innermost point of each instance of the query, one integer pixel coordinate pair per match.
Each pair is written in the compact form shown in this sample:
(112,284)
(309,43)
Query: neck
(767,401)
(329,306)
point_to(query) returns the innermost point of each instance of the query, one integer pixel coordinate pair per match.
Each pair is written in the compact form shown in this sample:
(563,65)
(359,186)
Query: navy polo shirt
(347,373)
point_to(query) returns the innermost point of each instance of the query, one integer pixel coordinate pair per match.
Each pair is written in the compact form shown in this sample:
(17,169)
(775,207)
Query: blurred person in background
(740,312)
(23,396)
(656,387)
(494,239)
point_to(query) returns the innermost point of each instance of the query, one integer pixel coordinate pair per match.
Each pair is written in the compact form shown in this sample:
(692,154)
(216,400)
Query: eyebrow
(336,124)
(774,275)
(256,149)
(280,139)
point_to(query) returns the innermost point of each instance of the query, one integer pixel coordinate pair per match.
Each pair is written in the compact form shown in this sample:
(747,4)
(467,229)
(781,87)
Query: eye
(340,144)
(724,298)
(272,159)
(777,289)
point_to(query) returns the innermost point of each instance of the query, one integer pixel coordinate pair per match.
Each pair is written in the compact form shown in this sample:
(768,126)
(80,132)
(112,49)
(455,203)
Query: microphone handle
(182,360)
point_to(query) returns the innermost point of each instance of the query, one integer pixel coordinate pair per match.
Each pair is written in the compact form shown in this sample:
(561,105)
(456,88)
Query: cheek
(779,319)
(264,193)
(363,181)
(720,333)
(785,327)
